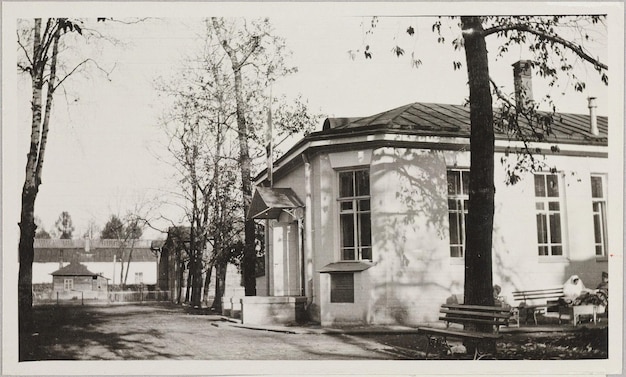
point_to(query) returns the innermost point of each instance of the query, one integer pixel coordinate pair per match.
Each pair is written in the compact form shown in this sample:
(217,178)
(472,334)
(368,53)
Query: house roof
(55,250)
(445,122)
(432,119)
(268,203)
(73,269)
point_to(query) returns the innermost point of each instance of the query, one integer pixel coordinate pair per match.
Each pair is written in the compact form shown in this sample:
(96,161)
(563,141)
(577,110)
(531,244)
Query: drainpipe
(593,119)
(307,257)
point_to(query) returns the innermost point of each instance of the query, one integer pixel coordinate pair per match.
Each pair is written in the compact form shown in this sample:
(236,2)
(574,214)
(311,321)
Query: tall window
(458,200)
(354,215)
(138,277)
(68,284)
(548,209)
(598,202)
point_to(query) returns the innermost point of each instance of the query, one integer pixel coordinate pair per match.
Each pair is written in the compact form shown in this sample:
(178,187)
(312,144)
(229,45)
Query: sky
(104,144)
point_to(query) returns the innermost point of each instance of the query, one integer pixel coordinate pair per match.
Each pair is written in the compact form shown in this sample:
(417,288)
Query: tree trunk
(180,279)
(478,258)
(220,284)
(207,284)
(249,254)
(188,287)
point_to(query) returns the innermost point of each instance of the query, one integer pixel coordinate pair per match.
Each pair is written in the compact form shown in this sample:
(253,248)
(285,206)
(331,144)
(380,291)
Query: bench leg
(437,343)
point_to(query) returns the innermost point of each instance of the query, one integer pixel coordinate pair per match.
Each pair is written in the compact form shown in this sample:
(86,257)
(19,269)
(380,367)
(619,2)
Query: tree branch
(577,49)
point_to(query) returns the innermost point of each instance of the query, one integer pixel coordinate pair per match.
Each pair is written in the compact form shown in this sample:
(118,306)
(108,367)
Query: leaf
(410,31)
(368,55)
(398,51)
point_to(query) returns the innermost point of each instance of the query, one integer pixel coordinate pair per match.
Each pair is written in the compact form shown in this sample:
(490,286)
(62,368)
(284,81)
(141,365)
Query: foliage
(117,230)
(64,225)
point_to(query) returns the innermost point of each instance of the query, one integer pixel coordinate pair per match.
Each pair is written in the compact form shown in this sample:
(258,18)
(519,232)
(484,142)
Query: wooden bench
(549,297)
(495,316)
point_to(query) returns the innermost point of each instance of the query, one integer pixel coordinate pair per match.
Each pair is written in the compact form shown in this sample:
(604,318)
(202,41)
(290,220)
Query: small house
(75,281)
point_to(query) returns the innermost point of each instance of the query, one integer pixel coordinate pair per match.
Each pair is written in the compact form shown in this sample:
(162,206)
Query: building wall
(413,273)
(85,287)
(42,271)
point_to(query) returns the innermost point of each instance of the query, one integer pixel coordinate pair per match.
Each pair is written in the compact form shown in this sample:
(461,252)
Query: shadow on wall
(410,234)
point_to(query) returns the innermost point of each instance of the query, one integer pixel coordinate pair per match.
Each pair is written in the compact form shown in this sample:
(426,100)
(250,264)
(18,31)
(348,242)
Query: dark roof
(73,269)
(55,250)
(268,203)
(431,119)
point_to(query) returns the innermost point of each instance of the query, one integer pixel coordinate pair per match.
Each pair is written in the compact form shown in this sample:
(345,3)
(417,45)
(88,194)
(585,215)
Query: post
(57,298)
(82,298)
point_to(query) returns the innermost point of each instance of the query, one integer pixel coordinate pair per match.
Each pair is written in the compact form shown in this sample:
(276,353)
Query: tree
(64,226)
(253,48)
(551,41)
(40,49)
(41,232)
(113,229)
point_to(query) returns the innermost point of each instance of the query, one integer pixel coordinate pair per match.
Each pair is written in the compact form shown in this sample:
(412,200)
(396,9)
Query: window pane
(345,206)
(452,206)
(540,206)
(347,230)
(596,206)
(557,250)
(456,251)
(453,182)
(597,228)
(553,186)
(555,228)
(596,187)
(365,230)
(366,253)
(543,250)
(455,236)
(348,254)
(599,250)
(362,182)
(364,205)
(540,186)
(346,187)
(465,188)
(542,228)
(554,206)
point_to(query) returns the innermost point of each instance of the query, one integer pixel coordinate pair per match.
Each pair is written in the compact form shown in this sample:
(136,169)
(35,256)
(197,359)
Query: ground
(165,331)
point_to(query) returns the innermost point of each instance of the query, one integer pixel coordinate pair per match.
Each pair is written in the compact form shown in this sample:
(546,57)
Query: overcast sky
(104,136)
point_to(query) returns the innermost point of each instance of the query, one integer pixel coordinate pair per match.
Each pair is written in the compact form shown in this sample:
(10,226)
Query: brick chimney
(522,80)
(593,119)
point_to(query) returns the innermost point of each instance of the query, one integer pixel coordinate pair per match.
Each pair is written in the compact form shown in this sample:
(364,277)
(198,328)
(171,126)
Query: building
(365,223)
(75,281)
(107,258)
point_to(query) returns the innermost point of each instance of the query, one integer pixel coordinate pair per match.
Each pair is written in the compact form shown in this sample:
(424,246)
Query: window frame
(68,284)
(601,213)
(461,200)
(549,211)
(355,202)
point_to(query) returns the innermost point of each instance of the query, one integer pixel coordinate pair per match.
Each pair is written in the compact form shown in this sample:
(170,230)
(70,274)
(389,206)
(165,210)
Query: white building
(365,225)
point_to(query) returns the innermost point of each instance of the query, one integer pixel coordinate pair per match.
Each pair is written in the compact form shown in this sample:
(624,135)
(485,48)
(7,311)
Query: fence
(139,296)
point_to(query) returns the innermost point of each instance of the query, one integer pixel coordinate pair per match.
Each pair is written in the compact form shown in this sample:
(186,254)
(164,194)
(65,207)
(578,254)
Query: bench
(550,295)
(495,316)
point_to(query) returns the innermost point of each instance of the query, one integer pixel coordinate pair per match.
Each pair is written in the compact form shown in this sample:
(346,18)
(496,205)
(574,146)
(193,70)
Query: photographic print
(312,188)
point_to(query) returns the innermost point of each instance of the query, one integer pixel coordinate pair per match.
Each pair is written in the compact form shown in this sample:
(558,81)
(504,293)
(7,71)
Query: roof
(431,119)
(73,269)
(268,203)
(55,250)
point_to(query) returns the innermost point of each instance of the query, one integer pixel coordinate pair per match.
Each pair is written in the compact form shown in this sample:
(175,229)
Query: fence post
(82,298)
(57,298)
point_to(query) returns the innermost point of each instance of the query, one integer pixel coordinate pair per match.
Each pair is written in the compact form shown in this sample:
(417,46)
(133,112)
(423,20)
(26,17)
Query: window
(68,284)
(548,209)
(354,215)
(138,277)
(598,202)
(458,200)
(342,287)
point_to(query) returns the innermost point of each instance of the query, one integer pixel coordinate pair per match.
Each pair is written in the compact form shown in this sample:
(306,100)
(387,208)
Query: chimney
(593,120)
(522,80)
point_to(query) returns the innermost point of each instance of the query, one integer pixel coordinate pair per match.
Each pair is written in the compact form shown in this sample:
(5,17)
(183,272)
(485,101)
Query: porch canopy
(268,203)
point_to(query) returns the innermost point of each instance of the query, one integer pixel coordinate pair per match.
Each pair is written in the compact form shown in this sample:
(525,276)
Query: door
(284,278)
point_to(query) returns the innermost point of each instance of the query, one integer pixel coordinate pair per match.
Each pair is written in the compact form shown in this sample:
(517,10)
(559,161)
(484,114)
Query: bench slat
(463,320)
(494,309)
(458,333)
(475,314)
